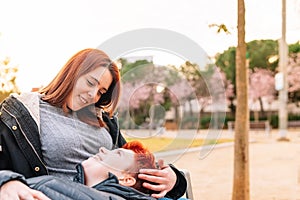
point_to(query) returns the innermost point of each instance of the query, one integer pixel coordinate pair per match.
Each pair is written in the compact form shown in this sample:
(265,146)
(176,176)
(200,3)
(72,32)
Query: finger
(26,195)
(159,195)
(160,163)
(158,188)
(154,172)
(153,179)
(39,195)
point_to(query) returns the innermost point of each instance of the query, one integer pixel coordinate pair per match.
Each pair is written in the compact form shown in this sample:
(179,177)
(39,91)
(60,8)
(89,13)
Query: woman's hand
(164,177)
(16,190)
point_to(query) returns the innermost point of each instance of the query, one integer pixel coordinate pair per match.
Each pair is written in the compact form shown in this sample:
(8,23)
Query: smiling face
(117,161)
(89,88)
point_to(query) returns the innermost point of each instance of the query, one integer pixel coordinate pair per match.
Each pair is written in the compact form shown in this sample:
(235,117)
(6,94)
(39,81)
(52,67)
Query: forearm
(180,185)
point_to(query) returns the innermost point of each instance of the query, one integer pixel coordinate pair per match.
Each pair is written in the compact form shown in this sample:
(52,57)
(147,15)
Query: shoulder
(31,102)
(27,98)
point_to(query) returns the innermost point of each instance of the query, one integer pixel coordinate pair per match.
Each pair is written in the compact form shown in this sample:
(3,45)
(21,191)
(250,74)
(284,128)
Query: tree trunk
(262,107)
(241,152)
(190,107)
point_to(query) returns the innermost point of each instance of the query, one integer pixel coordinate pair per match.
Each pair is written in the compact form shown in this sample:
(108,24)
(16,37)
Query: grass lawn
(159,144)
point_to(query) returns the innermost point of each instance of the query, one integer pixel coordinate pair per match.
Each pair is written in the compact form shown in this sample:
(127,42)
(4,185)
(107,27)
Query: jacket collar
(111,185)
(79,177)
(31,101)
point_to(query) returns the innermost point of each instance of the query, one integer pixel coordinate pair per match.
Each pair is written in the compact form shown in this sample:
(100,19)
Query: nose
(93,94)
(103,150)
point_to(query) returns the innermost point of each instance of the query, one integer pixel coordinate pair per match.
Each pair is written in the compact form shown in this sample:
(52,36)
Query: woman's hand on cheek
(163,179)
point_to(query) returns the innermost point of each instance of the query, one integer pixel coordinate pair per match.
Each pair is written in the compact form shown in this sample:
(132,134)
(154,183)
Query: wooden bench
(169,125)
(293,124)
(254,125)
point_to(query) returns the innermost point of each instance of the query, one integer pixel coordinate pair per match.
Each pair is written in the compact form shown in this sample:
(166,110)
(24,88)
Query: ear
(127,181)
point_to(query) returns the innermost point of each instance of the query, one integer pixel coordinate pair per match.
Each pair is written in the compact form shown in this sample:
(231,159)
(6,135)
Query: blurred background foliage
(151,92)
(8,75)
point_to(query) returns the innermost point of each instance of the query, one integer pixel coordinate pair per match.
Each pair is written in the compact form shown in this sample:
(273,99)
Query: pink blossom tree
(261,84)
(294,74)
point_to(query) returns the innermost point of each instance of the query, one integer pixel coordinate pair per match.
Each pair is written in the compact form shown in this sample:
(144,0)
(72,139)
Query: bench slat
(293,124)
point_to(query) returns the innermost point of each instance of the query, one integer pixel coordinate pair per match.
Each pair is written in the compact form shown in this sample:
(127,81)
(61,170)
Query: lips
(83,100)
(97,157)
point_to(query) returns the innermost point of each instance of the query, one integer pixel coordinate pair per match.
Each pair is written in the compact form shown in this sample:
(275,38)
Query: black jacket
(61,189)
(20,146)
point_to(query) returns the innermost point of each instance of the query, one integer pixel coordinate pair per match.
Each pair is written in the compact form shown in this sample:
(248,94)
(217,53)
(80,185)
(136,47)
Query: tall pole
(283,94)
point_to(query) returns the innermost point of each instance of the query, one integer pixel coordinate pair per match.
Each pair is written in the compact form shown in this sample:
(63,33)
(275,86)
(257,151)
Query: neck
(92,180)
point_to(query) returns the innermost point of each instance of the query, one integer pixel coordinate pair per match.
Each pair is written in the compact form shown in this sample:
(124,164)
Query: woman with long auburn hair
(58,91)
(67,121)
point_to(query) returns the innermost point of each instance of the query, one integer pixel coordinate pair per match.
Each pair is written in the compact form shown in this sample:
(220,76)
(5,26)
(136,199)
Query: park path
(274,168)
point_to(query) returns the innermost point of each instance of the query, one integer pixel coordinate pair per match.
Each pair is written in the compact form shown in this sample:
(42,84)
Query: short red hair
(144,159)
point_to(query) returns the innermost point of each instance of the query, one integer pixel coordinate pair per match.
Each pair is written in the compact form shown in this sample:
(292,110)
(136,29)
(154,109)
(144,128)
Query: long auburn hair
(143,159)
(84,61)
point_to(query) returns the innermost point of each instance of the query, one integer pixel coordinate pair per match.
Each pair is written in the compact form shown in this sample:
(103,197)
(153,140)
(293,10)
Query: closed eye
(90,83)
(119,153)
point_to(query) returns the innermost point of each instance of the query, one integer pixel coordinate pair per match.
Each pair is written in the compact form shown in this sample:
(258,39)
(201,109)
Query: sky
(40,36)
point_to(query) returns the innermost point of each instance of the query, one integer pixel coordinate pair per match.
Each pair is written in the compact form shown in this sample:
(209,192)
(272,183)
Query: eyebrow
(95,79)
(123,151)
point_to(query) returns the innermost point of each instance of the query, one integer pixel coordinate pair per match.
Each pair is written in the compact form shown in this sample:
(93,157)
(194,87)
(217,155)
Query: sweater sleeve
(6,176)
